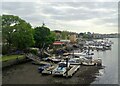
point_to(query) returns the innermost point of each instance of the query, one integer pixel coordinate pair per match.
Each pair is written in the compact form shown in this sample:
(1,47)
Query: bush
(34,51)
(4,50)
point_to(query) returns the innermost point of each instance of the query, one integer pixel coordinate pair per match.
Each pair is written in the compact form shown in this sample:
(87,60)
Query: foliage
(33,51)
(24,33)
(16,32)
(51,38)
(65,34)
(87,36)
(43,36)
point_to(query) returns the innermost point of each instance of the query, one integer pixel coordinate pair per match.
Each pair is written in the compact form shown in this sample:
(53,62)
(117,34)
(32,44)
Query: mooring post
(67,67)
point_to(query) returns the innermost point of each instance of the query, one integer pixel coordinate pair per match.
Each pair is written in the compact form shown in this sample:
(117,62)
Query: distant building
(96,35)
(73,37)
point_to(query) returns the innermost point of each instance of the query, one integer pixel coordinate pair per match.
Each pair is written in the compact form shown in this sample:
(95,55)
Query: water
(108,75)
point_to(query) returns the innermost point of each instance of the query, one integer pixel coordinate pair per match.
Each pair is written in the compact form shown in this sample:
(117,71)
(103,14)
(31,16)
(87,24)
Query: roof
(58,43)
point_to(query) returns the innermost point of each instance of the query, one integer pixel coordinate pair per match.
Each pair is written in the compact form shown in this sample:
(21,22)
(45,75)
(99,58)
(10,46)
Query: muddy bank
(27,73)
(13,62)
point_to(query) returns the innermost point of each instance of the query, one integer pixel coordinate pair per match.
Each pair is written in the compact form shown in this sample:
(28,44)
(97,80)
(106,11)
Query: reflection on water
(108,75)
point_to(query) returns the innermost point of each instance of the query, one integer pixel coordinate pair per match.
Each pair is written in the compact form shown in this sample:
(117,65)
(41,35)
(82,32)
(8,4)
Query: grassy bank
(11,57)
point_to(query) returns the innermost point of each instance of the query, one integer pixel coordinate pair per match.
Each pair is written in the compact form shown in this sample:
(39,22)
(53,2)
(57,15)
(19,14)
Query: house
(73,37)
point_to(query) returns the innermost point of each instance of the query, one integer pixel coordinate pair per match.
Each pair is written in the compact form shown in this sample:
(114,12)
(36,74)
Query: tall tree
(41,35)
(23,32)
(16,32)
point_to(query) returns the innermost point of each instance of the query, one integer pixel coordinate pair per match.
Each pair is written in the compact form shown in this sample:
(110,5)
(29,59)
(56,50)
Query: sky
(97,17)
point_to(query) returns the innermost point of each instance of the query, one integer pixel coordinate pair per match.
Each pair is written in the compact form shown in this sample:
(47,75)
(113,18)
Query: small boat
(80,54)
(60,69)
(53,59)
(88,56)
(88,64)
(43,66)
(48,70)
(75,61)
(108,45)
(99,47)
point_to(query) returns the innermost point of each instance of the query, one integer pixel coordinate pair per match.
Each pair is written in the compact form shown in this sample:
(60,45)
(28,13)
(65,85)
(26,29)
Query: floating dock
(72,71)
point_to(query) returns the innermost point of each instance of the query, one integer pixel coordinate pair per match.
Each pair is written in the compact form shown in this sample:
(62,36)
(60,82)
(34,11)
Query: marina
(61,43)
(73,69)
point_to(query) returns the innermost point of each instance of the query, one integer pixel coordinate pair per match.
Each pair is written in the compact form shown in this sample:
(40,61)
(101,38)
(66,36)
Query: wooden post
(73,53)
(67,67)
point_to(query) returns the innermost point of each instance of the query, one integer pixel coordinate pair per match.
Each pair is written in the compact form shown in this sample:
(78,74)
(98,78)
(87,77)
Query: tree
(16,33)
(51,38)
(23,32)
(41,36)
(64,34)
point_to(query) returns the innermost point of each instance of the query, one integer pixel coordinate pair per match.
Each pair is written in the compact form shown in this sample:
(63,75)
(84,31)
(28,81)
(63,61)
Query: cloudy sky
(97,17)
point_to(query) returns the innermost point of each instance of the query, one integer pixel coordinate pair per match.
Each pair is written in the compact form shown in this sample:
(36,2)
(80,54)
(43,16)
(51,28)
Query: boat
(74,61)
(88,56)
(53,59)
(48,70)
(88,64)
(61,68)
(43,66)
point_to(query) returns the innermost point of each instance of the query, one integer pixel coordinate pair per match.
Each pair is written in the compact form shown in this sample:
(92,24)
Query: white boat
(81,54)
(48,70)
(74,61)
(108,45)
(88,64)
(100,48)
(60,69)
(88,56)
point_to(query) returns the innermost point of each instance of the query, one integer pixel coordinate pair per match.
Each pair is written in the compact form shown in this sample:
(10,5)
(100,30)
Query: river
(108,75)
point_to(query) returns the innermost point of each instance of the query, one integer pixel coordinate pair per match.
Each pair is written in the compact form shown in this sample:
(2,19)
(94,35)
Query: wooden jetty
(35,58)
(72,70)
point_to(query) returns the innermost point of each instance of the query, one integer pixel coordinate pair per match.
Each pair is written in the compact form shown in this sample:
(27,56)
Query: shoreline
(27,73)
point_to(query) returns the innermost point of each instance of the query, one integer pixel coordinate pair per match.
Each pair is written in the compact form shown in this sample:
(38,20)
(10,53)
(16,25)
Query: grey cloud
(19,8)
(81,10)
(52,11)
(36,12)
(93,5)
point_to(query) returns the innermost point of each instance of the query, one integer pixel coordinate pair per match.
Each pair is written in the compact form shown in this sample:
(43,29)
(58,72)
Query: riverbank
(27,73)
(10,60)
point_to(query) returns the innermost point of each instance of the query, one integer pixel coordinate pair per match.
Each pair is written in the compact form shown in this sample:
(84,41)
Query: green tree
(65,34)
(16,32)
(41,36)
(22,36)
(51,38)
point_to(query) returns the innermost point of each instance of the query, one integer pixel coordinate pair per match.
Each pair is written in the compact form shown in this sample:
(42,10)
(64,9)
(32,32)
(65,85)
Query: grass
(11,57)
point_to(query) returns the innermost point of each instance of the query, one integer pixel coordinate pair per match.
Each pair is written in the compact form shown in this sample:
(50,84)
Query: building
(73,37)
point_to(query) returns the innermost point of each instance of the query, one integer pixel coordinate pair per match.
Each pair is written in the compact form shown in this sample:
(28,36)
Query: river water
(108,75)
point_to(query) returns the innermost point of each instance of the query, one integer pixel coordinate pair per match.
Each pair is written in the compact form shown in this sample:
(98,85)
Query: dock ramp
(33,57)
(72,70)
(45,52)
